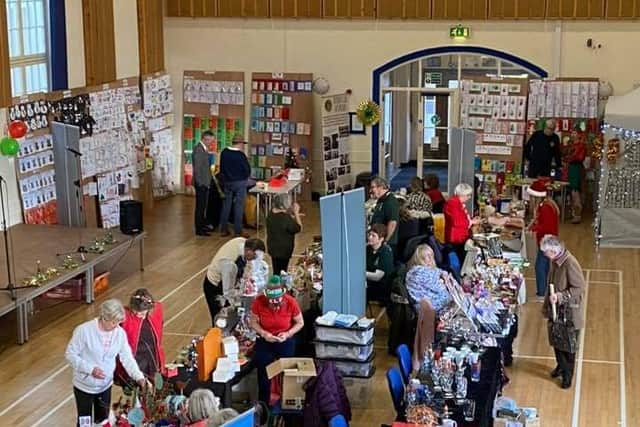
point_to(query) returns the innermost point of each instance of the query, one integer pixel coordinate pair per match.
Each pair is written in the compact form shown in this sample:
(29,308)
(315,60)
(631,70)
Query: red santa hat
(538,188)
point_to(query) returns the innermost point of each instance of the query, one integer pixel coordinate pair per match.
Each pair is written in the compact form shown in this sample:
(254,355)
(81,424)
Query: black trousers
(200,218)
(214,206)
(211,294)
(95,406)
(566,362)
(279,264)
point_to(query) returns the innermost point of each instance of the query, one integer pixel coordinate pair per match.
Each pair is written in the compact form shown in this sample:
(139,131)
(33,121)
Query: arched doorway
(434,73)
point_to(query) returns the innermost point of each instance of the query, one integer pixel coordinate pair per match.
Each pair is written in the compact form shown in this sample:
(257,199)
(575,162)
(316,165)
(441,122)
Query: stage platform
(32,243)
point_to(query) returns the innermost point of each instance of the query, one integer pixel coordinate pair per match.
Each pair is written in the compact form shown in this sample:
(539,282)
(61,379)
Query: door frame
(376,91)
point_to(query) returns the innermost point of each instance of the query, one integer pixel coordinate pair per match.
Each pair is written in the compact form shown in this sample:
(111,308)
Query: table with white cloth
(267,192)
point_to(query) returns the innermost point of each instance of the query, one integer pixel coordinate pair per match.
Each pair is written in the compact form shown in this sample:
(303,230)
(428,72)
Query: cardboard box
(296,372)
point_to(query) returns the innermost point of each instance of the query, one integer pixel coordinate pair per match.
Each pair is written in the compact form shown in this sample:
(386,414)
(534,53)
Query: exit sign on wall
(460,32)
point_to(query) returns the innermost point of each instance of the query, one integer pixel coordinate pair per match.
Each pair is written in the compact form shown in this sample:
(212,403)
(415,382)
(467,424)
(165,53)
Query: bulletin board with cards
(572,103)
(113,156)
(211,101)
(35,162)
(280,131)
(496,109)
(158,106)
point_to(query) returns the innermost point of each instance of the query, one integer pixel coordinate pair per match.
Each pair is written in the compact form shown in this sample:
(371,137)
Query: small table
(290,187)
(221,390)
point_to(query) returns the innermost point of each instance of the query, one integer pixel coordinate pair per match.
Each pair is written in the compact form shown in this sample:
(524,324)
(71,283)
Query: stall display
(461,374)
(212,101)
(335,143)
(280,132)
(158,107)
(496,110)
(35,172)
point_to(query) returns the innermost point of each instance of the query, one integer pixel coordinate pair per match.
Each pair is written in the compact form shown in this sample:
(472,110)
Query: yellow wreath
(368,112)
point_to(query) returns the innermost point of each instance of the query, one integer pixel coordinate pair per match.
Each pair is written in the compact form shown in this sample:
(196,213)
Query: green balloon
(9,146)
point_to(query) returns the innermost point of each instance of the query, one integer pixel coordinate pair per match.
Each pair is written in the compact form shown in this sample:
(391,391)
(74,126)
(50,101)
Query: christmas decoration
(613,149)
(9,146)
(596,147)
(368,113)
(17,129)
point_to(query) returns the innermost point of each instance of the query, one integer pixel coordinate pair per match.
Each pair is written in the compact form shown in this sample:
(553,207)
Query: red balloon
(17,129)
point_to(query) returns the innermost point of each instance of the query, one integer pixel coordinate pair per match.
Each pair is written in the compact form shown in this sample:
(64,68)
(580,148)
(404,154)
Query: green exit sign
(459,32)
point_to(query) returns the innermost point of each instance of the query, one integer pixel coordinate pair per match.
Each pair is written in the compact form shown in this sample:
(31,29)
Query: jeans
(95,406)
(542,271)
(234,192)
(202,196)
(265,354)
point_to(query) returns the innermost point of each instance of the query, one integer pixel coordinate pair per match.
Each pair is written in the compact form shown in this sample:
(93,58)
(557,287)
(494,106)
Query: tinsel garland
(368,112)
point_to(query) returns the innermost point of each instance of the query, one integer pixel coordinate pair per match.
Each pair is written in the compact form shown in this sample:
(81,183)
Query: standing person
(143,321)
(234,172)
(92,354)
(574,158)
(227,266)
(541,149)
(567,278)
(417,199)
(379,265)
(386,211)
(546,221)
(201,182)
(457,222)
(432,188)
(276,318)
(283,223)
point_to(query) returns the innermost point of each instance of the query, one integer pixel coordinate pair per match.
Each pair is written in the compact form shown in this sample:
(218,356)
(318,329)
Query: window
(429,113)
(27,24)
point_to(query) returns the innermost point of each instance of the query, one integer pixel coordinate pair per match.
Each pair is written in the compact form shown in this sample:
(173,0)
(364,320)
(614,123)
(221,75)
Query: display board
(281,117)
(572,102)
(496,109)
(35,162)
(211,101)
(335,143)
(158,107)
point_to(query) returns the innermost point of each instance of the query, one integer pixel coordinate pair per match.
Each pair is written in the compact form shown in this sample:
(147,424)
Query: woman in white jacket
(92,355)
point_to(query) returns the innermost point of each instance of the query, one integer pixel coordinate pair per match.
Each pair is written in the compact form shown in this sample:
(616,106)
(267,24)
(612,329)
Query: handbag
(562,333)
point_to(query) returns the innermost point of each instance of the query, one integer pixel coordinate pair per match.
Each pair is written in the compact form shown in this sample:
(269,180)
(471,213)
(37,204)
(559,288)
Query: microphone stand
(10,286)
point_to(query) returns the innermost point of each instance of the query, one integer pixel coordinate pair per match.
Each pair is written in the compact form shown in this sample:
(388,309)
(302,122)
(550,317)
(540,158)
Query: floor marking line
(623,380)
(53,410)
(178,334)
(602,282)
(578,385)
(181,285)
(34,389)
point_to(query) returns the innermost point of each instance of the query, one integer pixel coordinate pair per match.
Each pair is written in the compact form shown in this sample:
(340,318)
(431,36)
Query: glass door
(436,113)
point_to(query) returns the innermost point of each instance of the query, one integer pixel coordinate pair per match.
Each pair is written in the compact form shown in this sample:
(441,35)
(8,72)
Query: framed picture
(355,126)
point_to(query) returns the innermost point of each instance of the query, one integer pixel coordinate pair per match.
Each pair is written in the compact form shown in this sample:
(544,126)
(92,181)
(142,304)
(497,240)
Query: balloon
(17,129)
(9,146)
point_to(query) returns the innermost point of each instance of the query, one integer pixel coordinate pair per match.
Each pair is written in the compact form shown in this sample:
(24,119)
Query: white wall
(75,43)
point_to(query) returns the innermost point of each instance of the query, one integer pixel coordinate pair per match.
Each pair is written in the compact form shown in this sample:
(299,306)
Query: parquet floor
(35,382)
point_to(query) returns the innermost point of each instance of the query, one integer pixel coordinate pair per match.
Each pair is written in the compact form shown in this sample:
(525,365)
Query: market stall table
(561,188)
(290,187)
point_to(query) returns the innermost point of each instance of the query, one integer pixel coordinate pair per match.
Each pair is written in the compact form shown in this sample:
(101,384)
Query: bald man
(541,149)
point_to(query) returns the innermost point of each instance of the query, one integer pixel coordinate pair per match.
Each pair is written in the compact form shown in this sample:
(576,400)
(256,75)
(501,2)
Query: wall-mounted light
(459,32)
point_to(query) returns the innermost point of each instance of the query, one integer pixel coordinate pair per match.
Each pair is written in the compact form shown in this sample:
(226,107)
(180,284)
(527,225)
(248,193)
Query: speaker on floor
(131,216)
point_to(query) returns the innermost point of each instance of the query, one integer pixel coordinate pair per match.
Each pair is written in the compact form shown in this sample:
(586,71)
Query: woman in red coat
(546,221)
(143,324)
(457,222)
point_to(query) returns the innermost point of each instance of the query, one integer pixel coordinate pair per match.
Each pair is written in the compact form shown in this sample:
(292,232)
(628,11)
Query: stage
(32,243)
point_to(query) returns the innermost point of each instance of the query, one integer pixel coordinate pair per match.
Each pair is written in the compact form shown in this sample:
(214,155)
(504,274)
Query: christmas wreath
(368,113)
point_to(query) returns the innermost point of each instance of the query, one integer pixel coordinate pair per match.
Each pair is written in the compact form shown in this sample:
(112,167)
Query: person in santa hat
(546,220)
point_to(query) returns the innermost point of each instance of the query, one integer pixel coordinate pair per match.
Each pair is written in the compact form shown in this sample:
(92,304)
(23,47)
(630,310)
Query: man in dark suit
(201,182)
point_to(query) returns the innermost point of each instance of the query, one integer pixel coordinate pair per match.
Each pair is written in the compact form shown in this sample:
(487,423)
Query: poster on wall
(335,143)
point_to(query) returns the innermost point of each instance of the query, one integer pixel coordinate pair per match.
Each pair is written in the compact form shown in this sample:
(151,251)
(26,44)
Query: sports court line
(623,386)
(602,282)
(578,388)
(178,334)
(603,362)
(70,397)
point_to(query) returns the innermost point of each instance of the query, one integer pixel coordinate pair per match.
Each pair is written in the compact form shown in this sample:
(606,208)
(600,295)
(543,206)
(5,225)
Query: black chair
(407,230)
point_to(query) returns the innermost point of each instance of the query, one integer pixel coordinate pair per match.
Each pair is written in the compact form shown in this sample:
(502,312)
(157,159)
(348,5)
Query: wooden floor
(35,382)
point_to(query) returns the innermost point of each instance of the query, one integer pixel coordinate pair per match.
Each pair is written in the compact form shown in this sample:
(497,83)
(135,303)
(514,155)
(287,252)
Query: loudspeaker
(131,216)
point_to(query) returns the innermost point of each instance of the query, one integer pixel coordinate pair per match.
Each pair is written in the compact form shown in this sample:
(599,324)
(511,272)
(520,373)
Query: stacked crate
(350,348)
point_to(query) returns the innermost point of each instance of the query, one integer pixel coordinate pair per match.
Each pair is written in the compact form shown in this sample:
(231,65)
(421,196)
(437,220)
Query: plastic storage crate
(333,350)
(352,335)
(355,369)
